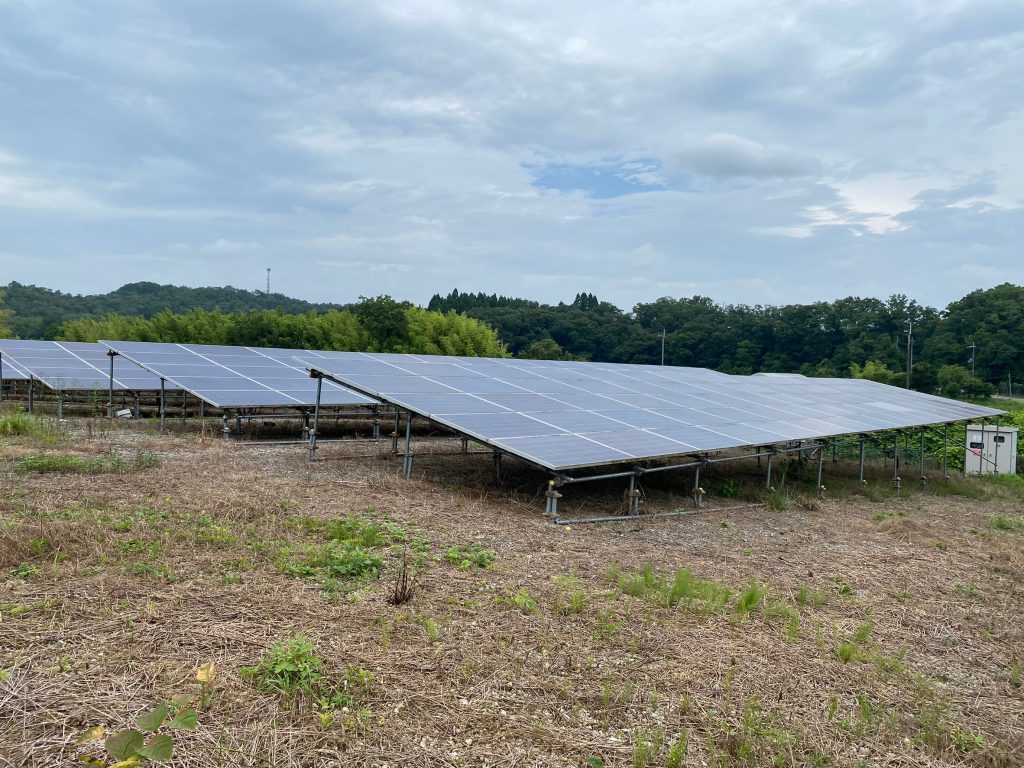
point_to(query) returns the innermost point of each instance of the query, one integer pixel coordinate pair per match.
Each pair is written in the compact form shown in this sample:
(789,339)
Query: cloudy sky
(756,151)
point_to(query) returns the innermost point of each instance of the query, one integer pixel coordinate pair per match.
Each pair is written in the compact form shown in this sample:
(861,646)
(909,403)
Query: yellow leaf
(205,673)
(92,761)
(131,762)
(93,734)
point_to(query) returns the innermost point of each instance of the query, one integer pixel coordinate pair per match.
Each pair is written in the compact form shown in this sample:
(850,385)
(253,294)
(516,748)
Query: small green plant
(646,747)
(16,424)
(152,739)
(967,741)
(24,571)
(676,756)
(729,489)
(1016,674)
(1003,523)
(466,556)
(750,598)
(288,668)
(68,464)
(520,600)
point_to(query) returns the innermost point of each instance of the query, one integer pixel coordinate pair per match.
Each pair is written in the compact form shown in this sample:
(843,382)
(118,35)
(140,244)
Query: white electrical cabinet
(990,450)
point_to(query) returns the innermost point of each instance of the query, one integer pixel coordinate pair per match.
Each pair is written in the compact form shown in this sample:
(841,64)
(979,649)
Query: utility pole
(910,350)
(974,350)
(268,281)
(663,345)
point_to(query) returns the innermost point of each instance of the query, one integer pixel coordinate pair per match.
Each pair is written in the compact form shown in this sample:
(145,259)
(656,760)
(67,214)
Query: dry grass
(143,577)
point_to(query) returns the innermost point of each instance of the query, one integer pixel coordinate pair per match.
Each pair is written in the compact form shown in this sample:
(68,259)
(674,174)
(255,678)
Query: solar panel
(74,365)
(9,370)
(235,377)
(565,415)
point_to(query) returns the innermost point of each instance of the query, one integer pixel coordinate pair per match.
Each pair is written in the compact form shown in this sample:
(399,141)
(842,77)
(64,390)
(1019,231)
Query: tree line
(962,349)
(374,325)
(853,336)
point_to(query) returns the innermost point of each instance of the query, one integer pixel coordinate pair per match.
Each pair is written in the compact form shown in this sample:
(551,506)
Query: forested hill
(821,339)
(852,336)
(38,311)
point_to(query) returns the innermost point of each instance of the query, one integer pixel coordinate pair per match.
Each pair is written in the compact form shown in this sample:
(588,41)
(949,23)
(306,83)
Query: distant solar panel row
(565,415)
(235,377)
(72,365)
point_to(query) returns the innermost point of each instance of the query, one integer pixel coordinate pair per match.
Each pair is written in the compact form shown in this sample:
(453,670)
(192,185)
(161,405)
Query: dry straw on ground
(542,658)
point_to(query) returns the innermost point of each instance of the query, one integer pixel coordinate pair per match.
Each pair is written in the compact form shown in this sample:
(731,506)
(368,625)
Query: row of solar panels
(559,415)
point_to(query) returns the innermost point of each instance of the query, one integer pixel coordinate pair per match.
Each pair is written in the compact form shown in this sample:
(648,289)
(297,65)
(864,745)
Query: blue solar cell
(263,377)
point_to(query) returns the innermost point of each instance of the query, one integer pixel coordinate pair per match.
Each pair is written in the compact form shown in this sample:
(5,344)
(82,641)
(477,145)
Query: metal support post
(551,496)
(31,393)
(497,466)
(225,430)
(634,496)
(394,435)
(202,409)
(136,410)
(924,480)
(376,425)
(110,386)
(2,376)
(821,466)
(698,492)
(995,456)
(184,404)
(238,423)
(465,444)
(861,477)
(407,464)
(316,417)
(163,400)
(60,405)
(945,451)
(896,463)
(768,476)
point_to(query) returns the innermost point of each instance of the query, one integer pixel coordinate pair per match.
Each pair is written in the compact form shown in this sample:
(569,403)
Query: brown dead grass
(92,639)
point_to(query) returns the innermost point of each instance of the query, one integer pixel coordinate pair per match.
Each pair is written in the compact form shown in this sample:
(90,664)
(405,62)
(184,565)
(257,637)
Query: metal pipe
(497,466)
(924,479)
(316,417)
(394,435)
(631,518)
(163,401)
(945,451)
(407,459)
(768,475)
(110,388)
(60,405)
(2,376)
(137,410)
(821,466)
(632,494)
(184,409)
(995,457)
(896,461)
(31,393)
(862,440)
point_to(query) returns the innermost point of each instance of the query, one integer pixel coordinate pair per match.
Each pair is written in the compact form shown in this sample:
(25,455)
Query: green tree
(876,371)
(5,316)
(957,381)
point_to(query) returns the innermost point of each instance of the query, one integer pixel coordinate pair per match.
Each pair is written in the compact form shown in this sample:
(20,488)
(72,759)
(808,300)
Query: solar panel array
(235,377)
(566,415)
(73,365)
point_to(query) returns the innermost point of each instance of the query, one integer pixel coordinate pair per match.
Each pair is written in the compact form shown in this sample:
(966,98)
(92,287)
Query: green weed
(24,570)
(466,556)
(750,598)
(288,668)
